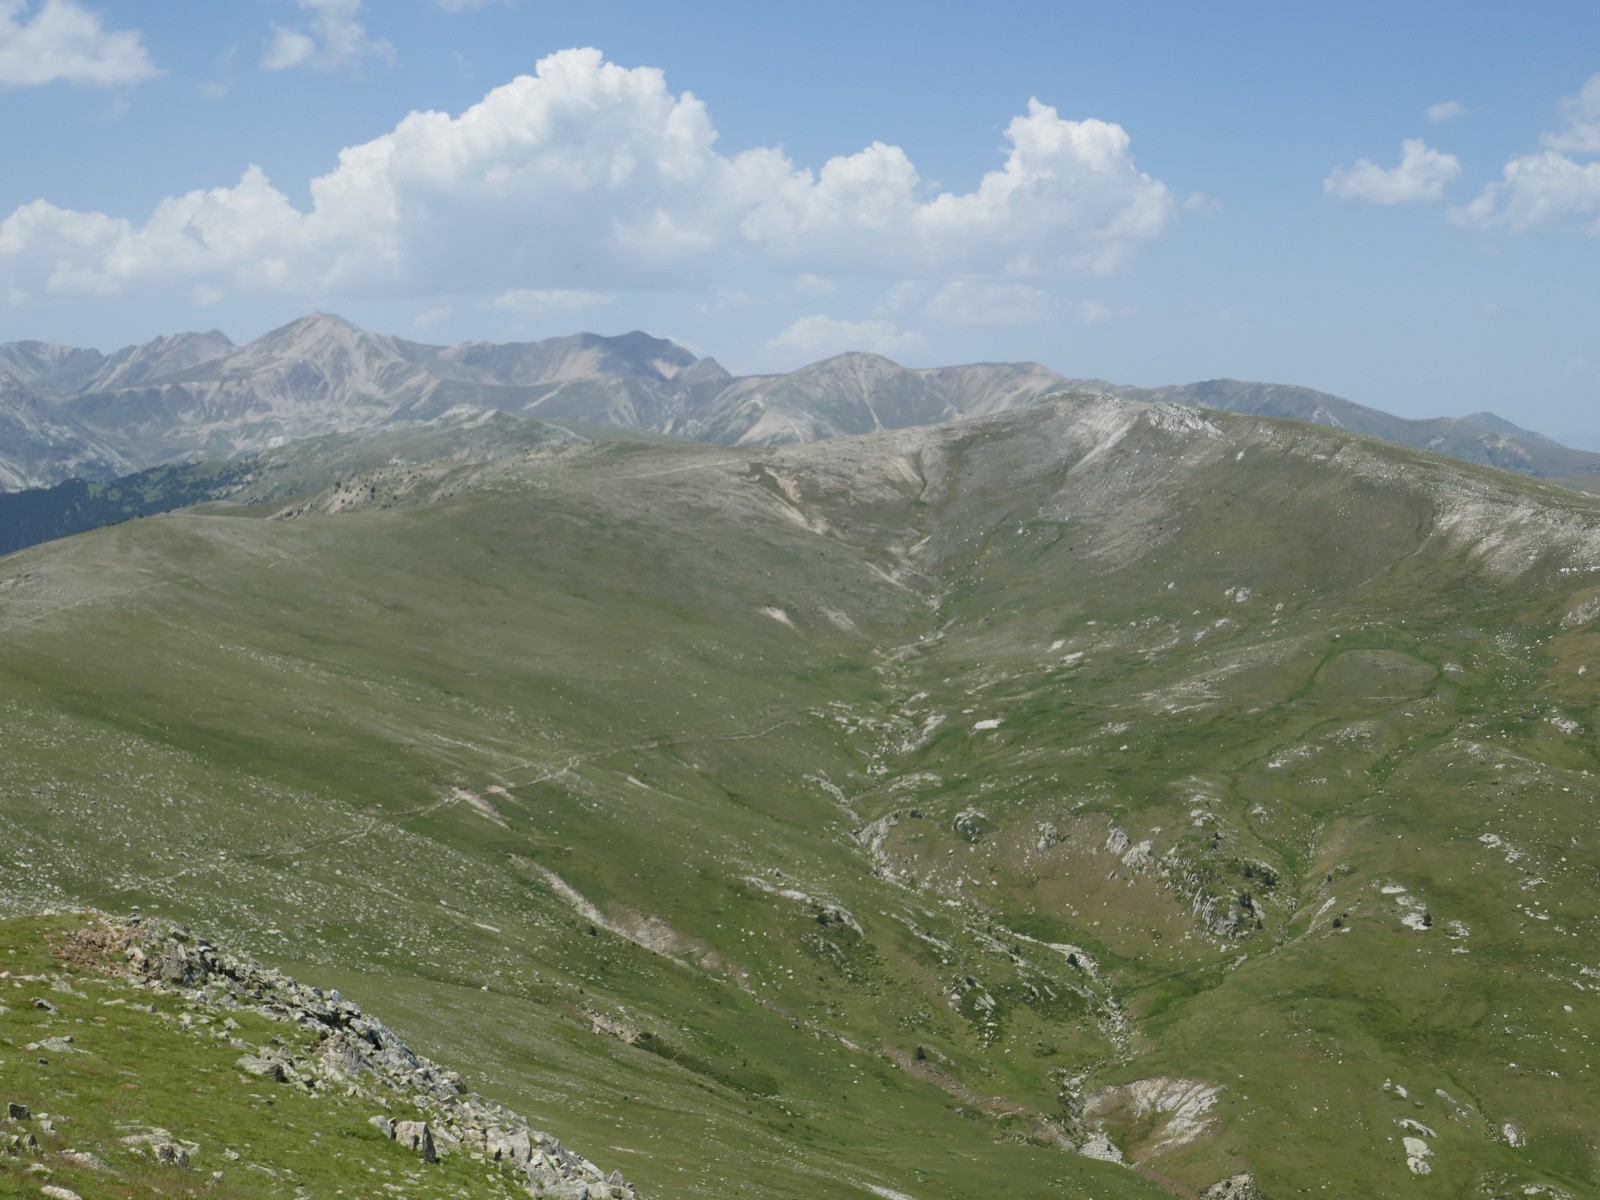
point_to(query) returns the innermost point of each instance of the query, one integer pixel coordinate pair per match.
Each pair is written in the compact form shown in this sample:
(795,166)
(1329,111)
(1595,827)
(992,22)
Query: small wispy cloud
(549,300)
(335,39)
(1446,110)
(824,335)
(995,305)
(1091,312)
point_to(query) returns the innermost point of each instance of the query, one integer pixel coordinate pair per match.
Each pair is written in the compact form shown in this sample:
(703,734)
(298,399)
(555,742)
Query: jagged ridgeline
(1098,799)
(273,1081)
(71,414)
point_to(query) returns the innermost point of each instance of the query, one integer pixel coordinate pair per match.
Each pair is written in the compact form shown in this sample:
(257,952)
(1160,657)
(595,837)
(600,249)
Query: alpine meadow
(887,760)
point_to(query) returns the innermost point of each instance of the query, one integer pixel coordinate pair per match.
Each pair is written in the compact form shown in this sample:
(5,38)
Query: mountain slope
(902,813)
(196,396)
(840,396)
(170,355)
(983,389)
(147,1001)
(317,375)
(40,446)
(1481,438)
(29,517)
(555,360)
(49,370)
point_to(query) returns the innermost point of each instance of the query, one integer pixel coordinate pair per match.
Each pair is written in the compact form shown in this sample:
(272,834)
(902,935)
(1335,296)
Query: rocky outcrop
(353,1053)
(1235,1187)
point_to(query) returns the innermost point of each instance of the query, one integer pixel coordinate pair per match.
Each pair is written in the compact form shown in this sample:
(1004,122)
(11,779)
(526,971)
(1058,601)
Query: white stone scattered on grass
(1417,1154)
(1099,1146)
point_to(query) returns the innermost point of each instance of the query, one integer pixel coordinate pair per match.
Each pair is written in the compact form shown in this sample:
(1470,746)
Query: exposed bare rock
(1235,1187)
(354,1052)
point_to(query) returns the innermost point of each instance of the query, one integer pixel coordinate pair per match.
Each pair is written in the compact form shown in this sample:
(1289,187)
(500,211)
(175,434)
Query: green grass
(130,1070)
(261,727)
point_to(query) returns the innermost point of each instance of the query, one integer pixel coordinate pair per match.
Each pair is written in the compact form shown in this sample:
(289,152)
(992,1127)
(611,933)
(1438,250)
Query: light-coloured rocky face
(355,1055)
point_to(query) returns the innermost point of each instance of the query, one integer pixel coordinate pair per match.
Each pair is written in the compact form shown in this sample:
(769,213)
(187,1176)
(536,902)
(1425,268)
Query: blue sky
(1146,193)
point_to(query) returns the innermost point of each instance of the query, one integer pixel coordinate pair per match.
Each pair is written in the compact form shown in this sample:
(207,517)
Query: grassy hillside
(892,815)
(38,515)
(115,1087)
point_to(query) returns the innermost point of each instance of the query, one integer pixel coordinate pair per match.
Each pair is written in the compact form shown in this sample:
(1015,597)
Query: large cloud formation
(1549,190)
(589,175)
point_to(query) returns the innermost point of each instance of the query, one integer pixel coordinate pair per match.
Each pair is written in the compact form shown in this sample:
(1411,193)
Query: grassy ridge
(777,821)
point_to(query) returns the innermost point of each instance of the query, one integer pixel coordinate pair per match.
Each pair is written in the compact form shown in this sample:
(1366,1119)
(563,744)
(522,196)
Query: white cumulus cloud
(820,336)
(1421,177)
(64,42)
(1446,110)
(1543,192)
(1582,134)
(1068,202)
(336,39)
(588,176)
(1549,190)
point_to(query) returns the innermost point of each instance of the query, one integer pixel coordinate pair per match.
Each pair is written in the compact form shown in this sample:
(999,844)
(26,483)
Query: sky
(1396,203)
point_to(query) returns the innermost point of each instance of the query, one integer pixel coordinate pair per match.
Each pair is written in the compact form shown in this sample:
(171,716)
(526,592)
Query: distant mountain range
(68,413)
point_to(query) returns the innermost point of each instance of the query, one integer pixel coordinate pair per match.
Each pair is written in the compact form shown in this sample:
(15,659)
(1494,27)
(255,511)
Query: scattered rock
(170,1153)
(971,823)
(55,1045)
(1235,1187)
(266,1068)
(59,1193)
(163,1146)
(17,1112)
(87,1160)
(1417,1154)
(1179,1106)
(418,1136)
(1099,1146)
(349,1050)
